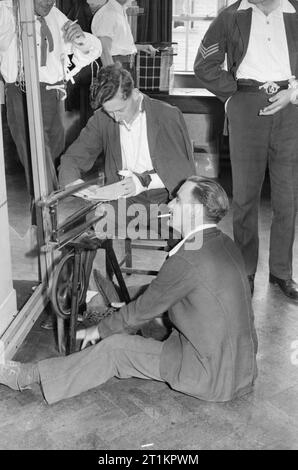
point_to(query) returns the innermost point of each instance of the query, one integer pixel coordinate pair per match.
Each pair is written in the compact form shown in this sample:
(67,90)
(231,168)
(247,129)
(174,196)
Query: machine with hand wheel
(73,236)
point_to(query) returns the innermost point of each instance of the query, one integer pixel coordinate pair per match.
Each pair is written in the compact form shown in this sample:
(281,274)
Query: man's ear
(198,214)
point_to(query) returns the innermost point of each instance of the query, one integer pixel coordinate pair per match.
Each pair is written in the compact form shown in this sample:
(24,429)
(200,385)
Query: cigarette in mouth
(163,215)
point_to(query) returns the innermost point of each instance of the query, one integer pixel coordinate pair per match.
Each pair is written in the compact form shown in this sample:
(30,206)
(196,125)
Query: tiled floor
(128,414)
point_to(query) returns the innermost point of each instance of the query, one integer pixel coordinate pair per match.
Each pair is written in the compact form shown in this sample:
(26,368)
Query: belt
(270,88)
(41,84)
(58,86)
(46,84)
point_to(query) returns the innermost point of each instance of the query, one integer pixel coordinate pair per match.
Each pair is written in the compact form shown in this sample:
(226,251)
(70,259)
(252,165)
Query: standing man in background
(260,89)
(56,39)
(110,25)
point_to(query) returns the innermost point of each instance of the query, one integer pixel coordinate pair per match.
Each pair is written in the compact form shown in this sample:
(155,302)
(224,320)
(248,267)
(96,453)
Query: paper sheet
(110,192)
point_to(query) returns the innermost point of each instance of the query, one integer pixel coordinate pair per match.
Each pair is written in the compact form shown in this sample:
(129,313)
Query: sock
(29,374)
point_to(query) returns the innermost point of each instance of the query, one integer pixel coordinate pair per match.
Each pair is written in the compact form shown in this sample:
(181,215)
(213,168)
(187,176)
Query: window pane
(188,33)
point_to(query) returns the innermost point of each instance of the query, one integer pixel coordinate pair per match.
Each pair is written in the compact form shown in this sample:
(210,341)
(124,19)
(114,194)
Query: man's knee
(115,342)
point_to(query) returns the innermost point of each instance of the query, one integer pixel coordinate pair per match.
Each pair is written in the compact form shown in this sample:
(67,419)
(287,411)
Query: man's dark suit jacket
(211,352)
(168,139)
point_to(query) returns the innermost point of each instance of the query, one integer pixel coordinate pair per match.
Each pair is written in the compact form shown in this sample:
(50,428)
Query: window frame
(187,19)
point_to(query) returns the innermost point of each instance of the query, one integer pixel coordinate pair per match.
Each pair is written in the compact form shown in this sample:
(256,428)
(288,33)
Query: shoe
(251,280)
(9,374)
(288,286)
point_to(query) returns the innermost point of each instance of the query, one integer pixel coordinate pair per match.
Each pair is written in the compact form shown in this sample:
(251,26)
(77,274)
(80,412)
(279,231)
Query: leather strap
(145,178)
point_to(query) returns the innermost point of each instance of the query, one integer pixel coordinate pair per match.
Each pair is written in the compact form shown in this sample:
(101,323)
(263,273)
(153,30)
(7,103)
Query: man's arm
(174,281)
(83,152)
(106,56)
(84,47)
(86,51)
(173,159)
(208,66)
(103,25)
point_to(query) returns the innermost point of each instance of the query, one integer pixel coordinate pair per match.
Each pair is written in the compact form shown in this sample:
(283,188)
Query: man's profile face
(43,7)
(119,108)
(185,212)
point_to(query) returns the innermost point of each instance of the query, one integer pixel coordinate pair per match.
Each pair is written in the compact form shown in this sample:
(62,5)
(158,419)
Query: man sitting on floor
(211,351)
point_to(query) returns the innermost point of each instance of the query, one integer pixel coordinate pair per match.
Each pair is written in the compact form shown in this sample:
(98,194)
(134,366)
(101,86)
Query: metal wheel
(61,291)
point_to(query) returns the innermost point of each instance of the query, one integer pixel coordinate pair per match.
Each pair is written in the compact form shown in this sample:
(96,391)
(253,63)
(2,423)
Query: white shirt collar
(141,110)
(181,243)
(285,5)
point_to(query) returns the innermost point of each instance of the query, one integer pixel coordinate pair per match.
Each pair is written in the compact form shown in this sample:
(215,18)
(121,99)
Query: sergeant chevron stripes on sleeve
(207,51)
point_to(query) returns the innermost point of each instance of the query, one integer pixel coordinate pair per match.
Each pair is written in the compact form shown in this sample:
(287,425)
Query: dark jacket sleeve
(173,282)
(83,152)
(174,162)
(209,62)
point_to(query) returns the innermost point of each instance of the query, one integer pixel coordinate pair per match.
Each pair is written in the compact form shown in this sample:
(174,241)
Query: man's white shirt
(267,55)
(135,150)
(111,21)
(57,60)
(188,236)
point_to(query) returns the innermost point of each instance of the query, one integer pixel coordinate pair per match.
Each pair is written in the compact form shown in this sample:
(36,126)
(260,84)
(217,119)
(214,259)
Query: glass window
(191,19)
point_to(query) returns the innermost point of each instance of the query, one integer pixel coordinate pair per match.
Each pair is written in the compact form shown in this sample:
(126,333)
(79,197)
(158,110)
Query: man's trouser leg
(118,355)
(54,135)
(283,167)
(249,142)
(17,120)
(53,109)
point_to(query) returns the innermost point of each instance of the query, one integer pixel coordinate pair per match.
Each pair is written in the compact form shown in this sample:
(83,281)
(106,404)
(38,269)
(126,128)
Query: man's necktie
(46,39)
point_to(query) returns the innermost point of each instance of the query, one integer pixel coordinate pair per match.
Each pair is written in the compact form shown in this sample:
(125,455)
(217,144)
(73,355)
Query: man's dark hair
(110,78)
(212,196)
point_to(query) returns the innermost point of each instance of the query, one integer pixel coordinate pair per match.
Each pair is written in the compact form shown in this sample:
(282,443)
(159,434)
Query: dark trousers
(255,142)
(17,119)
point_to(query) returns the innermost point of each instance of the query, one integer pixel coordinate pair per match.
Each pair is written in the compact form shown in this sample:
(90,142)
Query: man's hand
(146,48)
(279,101)
(88,335)
(73,32)
(128,186)
(131,185)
